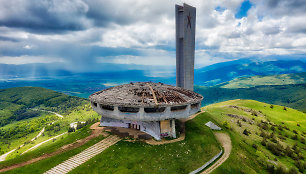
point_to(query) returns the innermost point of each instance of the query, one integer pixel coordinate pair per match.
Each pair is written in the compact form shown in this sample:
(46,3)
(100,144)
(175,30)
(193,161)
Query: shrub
(263,134)
(302,140)
(300,165)
(294,131)
(281,170)
(239,123)
(294,137)
(293,171)
(264,142)
(246,132)
(226,125)
(298,125)
(288,151)
(276,149)
(285,108)
(271,106)
(254,146)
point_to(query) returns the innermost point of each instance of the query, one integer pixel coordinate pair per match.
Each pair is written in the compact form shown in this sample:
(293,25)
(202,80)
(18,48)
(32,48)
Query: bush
(271,106)
(281,170)
(276,149)
(226,125)
(294,137)
(246,132)
(239,123)
(285,108)
(300,165)
(254,146)
(264,142)
(293,171)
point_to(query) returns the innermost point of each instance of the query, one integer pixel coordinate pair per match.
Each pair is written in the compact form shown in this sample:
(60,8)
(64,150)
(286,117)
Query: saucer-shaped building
(146,106)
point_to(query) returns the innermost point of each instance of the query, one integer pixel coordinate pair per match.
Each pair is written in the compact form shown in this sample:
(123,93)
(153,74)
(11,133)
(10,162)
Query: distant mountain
(252,81)
(293,96)
(222,72)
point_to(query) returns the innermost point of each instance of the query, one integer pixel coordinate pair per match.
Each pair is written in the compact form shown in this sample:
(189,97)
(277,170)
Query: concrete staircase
(84,156)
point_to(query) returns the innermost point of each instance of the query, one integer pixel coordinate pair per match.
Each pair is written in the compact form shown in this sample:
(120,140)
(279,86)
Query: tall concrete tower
(185,44)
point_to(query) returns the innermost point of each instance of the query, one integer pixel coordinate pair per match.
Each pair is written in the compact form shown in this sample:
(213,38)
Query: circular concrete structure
(146,101)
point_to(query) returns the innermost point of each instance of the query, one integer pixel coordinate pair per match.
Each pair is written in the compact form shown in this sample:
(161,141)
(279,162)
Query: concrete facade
(156,124)
(185,20)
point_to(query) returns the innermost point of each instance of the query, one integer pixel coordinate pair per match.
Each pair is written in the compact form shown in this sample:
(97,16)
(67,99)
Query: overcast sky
(81,34)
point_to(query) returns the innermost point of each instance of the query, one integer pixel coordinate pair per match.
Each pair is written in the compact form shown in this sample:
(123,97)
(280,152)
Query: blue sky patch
(243,10)
(220,9)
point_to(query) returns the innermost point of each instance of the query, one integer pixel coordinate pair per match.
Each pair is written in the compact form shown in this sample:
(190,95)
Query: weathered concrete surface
(185,45)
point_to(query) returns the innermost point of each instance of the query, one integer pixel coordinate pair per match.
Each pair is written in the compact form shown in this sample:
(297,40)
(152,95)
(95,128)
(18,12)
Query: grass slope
(14,103)
(137,157)
(293,96)
(283,132)
(283,79)
(181,157)
(20,124)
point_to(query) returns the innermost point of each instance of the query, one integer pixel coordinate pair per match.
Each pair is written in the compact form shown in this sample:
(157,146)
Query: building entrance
(134,126)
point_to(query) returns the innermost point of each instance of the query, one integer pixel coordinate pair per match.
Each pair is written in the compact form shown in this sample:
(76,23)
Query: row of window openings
(147,110)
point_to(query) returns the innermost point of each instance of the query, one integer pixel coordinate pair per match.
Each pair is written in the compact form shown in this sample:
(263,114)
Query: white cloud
(29,59)
(148,27)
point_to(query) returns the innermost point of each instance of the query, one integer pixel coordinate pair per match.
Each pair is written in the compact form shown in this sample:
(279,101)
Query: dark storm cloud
(108,11)
(43,15)
(4,38)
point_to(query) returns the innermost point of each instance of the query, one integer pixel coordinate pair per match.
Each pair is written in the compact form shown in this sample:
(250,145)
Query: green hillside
(293,96)
(24,114)
(264,137)
(252,81)
(198,147)
(15,103)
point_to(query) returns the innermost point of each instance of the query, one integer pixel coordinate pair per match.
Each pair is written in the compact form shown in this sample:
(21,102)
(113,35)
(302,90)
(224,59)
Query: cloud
(84,33)
(29,59)
(44,15)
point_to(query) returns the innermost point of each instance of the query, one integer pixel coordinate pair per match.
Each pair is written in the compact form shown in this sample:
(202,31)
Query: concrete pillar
(173,128)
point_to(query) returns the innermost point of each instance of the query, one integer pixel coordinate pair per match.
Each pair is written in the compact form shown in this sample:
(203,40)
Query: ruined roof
(145,94)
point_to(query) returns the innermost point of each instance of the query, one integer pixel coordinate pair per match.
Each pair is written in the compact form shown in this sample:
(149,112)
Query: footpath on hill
(225,140)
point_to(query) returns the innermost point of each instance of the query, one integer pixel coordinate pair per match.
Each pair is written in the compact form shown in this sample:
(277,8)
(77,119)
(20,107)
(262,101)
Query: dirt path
(39,144)
(3,157)
(96,131)
(225,140)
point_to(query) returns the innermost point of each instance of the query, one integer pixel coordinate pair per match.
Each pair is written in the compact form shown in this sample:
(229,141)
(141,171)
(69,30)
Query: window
(107,107)
(152,110)
(178,108)
(95,104)
(195,105)
(128,109)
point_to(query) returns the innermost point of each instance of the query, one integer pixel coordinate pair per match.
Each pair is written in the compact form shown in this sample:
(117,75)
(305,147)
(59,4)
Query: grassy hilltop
(252,81)
(265,137)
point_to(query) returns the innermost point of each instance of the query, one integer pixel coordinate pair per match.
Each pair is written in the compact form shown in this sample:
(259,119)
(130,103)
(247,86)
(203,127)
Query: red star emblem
(189,21)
